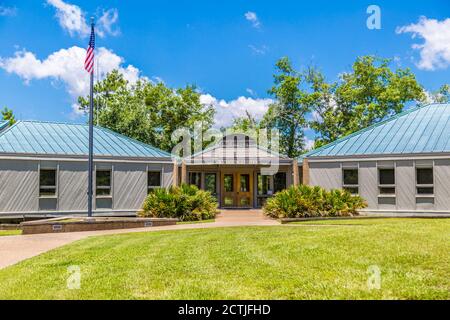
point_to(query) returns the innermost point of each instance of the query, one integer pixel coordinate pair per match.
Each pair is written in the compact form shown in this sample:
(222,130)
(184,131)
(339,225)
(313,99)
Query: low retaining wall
(95,224)
(9,227)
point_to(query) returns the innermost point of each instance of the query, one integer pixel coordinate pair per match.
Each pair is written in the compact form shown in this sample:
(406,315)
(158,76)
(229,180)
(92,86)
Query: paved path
(14,249)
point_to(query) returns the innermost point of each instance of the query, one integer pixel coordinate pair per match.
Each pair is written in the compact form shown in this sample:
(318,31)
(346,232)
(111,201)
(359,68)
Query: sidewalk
(14,249)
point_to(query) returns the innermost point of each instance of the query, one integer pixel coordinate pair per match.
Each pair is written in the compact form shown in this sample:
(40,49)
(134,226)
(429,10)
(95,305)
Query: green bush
(187,203)
(305,201)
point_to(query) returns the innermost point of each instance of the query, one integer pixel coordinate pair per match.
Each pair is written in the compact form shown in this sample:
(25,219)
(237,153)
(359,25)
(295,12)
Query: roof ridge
(394,117)
(10,127)
(55,122)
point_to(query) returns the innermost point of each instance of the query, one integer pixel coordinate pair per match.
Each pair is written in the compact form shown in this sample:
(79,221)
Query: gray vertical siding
(167,175)
(327,175)
(406,185)
(368,183)
(130,186)
(442,184)
(73,179)
(19,186)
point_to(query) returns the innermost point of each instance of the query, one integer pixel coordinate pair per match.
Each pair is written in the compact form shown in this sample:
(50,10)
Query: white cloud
(226,112)
(309,143)
(73,19)
(106,23)
(435,50)
(7,11)
(251,92)
(262,50)
(67,66)
(70,17)
(253,18)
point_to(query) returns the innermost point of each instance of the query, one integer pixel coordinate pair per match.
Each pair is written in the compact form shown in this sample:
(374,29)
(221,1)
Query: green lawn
(286,262)
(196,222)
(10,232)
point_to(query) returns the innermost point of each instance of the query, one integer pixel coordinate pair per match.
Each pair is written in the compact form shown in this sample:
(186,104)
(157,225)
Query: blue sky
(227,48)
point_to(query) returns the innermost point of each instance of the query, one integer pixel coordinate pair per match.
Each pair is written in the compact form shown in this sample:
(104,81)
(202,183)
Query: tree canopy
(8,115)
(288,113)
(368,94)
(146,111)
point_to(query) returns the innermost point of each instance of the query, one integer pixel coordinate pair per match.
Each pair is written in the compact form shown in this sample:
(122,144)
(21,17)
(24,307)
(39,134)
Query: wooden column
(175,173)
(295,173)
(305,172)
(183,172)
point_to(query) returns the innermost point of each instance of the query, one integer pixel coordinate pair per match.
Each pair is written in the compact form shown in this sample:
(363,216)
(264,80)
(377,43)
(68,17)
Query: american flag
(89,62)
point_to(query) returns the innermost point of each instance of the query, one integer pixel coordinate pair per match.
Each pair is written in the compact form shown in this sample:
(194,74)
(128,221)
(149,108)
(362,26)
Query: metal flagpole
(91,140)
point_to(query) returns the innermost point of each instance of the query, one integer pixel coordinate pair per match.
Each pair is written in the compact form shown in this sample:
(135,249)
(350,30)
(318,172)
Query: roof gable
(237,149)
(49,138)
(419,130)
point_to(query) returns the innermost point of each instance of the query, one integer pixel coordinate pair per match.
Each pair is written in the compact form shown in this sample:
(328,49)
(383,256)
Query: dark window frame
(48,190)
(199,174)
(215,193)
(385,188)
(423,188)
(103,187)
(350,187)
(156,186)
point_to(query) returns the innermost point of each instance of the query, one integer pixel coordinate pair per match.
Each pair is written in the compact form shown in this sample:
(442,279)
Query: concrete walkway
(14,249)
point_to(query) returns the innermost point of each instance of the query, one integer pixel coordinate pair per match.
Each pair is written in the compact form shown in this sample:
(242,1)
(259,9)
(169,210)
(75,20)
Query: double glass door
(237,190)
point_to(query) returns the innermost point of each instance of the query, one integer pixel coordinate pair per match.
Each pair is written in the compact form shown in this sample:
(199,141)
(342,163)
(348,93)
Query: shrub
(305,201)
(187,203)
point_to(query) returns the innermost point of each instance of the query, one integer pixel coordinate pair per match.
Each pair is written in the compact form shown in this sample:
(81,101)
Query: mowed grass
(10,232)
(197,222)
(286,262)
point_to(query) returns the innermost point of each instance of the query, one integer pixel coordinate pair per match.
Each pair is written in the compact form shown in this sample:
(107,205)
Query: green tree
(288,113)
(146,111)
(8,115)
(442,95)
(368,94)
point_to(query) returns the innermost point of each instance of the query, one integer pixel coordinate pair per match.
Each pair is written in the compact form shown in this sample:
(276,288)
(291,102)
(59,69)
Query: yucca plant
(187,203)
(306,201)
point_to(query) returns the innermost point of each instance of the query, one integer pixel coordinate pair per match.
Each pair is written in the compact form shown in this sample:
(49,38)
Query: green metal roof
(49,138)
(419,130)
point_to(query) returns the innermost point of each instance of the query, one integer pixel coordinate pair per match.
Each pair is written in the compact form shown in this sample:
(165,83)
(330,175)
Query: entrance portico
(239,173)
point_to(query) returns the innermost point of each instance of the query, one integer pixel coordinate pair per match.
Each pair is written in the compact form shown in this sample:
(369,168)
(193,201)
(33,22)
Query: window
(228,183)
(103,182)
(424,181)
(351,180)
(211,183)
(153,180)
(386,181)
(244,183)
(47,182)
(264,187)
(195,179)
(279,182)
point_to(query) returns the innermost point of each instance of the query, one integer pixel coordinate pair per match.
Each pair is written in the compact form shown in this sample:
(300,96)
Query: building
(44,170)
(400,165)
(240,172)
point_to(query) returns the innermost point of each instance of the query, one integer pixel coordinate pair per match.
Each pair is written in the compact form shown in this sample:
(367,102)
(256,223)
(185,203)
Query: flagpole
(91,141)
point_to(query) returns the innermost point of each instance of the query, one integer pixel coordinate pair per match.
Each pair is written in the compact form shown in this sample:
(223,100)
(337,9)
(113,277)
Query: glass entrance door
(237,190)
(244,194)
(228,190)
